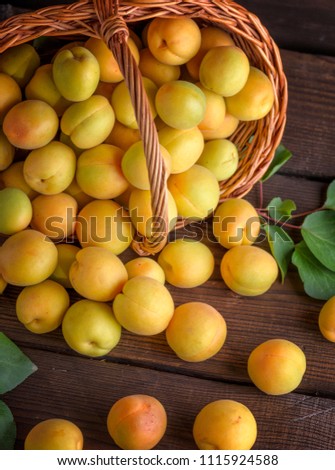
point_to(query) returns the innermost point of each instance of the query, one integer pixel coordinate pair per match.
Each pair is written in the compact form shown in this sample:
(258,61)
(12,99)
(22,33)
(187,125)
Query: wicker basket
(109,19)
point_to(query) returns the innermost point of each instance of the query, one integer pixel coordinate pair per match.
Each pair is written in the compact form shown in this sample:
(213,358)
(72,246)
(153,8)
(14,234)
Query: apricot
(27,257)
(55,215)
(97,274)
(184,146)
(180,104)
(42,87)
(144,307)
(224,70)
(186,263)
(173,41)
(137,422)
(7,152)
(220,157)
(158,72)
(134,165)
(225,425)
(10,94)
(20,62)
(13,177)
(54,434)
(248,270)
(141,214)
(215,111)
(123,105)
(109,68)
(41,308)
(326,319)
(122,136)
(235,223)
(277,366)
(196,192)
(104,223)
(105,89)
(144,266)
(76,73)
(255,100)
(51,168)
(15,209)
(89,122)
(99,172)
(226,128)
(211,36)
(66,256)
(90,328)
(196,332)
(30,124)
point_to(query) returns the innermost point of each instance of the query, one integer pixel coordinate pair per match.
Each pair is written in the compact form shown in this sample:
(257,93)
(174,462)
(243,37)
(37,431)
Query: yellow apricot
(13,177)
(226,128)
(27,257)
(137,422)
(20,62)
(236,222)
(255,100)
(123,136)
(55,215)
(196,332)
(41,307)
(54,434)
(7,152)
(327,320)
(99,172)
(225,425)
(97,274)
(224,70)
(196,192)
(144,266)
(158,72)
(277,366)
(16,210)
(248,270)
(220,157)
(145,306)
(186,263)
(104,223)
(215,109)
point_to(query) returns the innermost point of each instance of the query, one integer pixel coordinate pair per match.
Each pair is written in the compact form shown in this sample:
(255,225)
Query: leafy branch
(314,254)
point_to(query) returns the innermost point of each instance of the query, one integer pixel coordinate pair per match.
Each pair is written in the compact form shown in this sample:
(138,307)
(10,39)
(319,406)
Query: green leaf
(319,282)
(281,210)
(15,366)
(282,155)
(281,245)
(318,231)
(330,201)
(7,428)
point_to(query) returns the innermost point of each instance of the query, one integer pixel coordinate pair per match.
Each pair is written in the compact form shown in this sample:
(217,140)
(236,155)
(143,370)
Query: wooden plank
(310,129)
(83,391)
(306,26)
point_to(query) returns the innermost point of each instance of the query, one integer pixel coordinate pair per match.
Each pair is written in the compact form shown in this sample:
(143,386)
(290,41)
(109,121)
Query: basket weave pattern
(109,20)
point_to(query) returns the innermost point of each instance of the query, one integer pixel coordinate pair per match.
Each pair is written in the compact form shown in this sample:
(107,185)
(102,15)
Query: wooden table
(82,389)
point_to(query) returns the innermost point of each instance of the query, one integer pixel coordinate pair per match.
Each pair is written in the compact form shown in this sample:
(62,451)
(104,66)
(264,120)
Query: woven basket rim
(110,20)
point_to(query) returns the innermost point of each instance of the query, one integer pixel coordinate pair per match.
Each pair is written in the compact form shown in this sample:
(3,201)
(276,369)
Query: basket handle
(114,31)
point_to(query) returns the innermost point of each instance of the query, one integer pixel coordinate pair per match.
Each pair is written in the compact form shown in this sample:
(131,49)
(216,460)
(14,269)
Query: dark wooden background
(81,389)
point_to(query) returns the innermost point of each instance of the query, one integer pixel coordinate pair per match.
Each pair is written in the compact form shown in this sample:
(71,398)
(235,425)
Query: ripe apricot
(327,320)
(186,263)
(196,332)
(248,270)
(137,422)
(236,222)
(144,266)
(225,425)
(277,366)
(54,434)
